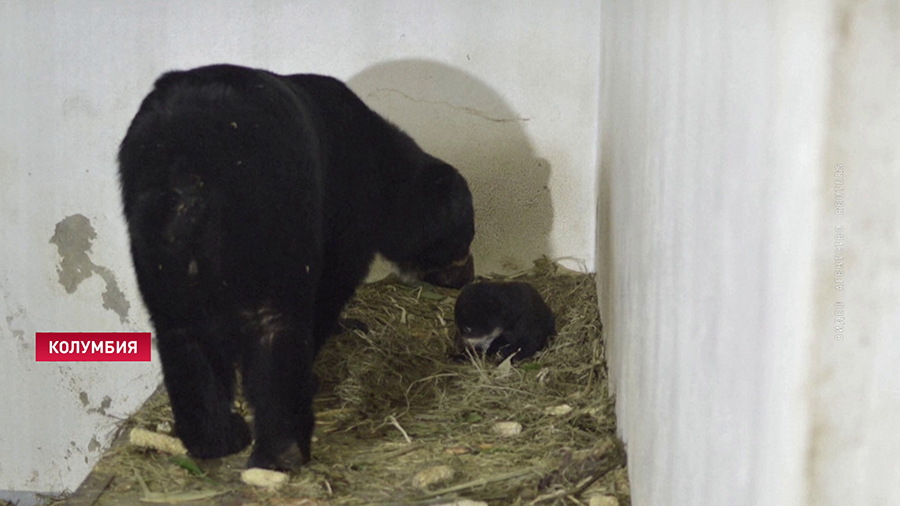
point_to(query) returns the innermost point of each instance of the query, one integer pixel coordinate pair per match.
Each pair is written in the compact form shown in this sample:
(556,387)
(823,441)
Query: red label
(92,346)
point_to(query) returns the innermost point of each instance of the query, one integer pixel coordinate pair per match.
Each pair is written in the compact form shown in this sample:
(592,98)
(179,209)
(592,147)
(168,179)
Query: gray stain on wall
(72,237)
(18,334)
(104,405)
(94,445)
(16,316)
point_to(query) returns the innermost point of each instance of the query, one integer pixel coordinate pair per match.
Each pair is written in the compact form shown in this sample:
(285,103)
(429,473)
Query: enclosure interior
(693,155)
(523,131)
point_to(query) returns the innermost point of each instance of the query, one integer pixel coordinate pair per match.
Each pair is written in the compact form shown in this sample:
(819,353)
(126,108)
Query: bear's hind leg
(199,377)
(280,385)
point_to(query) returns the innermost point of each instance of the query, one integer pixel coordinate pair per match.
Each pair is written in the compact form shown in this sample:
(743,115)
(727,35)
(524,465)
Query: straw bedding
(401,421)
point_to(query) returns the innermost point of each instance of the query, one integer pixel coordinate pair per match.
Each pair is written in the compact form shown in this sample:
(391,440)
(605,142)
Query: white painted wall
(507,92)
(854,450)
(722,124)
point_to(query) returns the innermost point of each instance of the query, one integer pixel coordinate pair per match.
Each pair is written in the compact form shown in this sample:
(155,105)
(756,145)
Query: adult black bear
(255,203)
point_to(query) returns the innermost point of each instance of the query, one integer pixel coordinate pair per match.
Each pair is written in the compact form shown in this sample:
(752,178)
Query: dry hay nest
(399,422)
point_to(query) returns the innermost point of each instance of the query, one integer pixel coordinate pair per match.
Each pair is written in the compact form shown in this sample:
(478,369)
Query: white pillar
(721,127)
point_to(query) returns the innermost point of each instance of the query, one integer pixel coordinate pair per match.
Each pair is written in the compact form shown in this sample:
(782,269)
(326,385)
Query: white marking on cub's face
(482,343)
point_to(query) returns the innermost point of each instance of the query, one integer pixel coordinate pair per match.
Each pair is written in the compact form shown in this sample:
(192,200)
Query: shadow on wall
(461,120)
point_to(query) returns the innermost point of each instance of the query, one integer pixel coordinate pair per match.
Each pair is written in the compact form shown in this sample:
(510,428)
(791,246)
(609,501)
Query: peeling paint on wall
(104,405)
(16,315)
(73,450)
(18,334)
(72,237)
(94,445)
(86,401)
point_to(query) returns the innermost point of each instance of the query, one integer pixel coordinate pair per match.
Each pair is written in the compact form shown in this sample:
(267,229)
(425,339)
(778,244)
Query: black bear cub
(255,203)
(504,318)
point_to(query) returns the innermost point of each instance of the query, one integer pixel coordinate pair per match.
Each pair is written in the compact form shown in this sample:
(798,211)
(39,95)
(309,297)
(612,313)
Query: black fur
(255,203)
(513,312)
